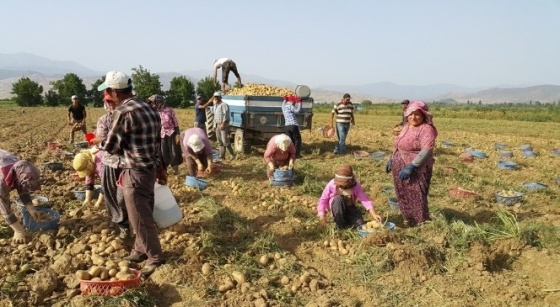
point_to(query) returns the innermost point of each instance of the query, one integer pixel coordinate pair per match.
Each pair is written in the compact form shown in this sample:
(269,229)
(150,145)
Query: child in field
(340,197)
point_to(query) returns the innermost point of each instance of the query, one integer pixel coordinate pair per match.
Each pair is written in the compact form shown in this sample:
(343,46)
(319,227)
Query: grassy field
(474,252)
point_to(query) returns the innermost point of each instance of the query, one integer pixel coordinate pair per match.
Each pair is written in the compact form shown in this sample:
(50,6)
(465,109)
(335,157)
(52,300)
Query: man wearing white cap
(197,151)
(280,152)
(76,117)
(135,137)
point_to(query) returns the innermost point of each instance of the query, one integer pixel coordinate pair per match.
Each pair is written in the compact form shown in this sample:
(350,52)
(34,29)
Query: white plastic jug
(166,210)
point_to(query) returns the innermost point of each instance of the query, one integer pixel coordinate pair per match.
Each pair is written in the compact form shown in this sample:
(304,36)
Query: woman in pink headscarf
(170,135)
(412,161)
(24,177)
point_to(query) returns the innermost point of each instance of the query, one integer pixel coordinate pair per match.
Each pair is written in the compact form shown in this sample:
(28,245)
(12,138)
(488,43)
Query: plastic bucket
(303,91)
(166,210)
(90,136)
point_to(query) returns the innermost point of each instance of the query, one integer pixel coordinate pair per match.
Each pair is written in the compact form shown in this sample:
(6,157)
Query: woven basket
(509,200)
(462,193)
(328,131)
(30,224)
(110,288)
(466,157)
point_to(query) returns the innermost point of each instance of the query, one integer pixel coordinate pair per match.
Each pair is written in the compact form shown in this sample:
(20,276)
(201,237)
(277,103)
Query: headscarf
(157,102)
(83,163)
(283,141)
(23,176)
(417,105)
(344,176)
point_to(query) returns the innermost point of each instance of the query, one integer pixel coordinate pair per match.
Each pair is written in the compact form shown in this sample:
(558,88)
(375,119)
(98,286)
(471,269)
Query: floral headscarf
(417,105)
(157,102)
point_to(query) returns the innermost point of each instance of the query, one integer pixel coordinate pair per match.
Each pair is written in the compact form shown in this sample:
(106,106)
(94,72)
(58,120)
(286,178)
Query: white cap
(74,97)
(115,80)
(282,141)
(218,94)
(195,142)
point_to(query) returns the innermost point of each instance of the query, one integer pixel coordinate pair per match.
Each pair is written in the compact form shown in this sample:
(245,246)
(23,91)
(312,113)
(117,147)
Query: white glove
(199,164)
(32,211)
(99,200)
(209,168)
(291,164)
(89,196)
(270,166)
(94,150)
(19,233)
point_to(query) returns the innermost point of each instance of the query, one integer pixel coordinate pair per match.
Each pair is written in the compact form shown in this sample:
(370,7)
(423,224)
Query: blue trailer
(255,119)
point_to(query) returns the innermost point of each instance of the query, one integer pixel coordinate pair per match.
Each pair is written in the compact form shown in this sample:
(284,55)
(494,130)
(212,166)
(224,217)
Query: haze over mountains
(43,71)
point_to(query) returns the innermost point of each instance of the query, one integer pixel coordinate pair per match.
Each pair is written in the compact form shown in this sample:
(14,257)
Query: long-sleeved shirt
(275,154)
(102,129)
(196,131)
(221,113)
(135,135)
(97,166)
(169,122)
(331,190)
(290,110)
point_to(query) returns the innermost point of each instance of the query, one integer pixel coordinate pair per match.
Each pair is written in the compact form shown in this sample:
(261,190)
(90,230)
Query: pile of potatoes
(372,226)
(253,89)
(339,246)
(43,217)
(110,272)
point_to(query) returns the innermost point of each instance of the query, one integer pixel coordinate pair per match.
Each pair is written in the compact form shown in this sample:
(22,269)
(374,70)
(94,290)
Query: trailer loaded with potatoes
(256,113)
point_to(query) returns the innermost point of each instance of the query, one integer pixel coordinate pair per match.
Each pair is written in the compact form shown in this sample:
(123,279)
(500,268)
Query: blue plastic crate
(195,182)
(283,175)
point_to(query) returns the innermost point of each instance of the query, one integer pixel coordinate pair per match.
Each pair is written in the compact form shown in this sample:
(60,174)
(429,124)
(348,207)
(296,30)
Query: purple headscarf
(157,102)
(418,105)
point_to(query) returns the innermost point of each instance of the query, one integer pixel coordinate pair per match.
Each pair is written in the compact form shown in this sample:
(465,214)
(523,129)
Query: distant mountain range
(43,70)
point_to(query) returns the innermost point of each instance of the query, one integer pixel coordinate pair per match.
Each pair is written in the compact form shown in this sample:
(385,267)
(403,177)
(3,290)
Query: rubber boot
(222,152)
(19,233)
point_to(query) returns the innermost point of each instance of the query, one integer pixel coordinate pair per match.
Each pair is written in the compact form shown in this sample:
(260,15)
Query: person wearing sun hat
(280,152)
(24,177)
(88,164)
(135,137)
(340,196)
(197,151)
(412,162)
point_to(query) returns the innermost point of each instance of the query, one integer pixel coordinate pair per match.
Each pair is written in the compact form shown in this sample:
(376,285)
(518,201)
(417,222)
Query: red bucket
(90,136)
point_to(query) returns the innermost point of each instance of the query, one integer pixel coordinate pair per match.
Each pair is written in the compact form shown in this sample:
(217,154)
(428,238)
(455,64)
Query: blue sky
(475,43)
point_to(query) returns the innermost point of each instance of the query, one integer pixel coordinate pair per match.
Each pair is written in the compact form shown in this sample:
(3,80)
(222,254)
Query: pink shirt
(330,192)
(168,121)
(412,140)
(98,161)
(274,154)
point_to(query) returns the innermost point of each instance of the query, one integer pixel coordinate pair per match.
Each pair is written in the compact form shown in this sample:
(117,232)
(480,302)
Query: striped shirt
(290,111)
(102,129)
(343,112)
(221,113)
(135,135)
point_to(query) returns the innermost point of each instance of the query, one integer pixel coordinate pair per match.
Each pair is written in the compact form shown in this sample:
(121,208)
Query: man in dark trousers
(135,137)
(76,117)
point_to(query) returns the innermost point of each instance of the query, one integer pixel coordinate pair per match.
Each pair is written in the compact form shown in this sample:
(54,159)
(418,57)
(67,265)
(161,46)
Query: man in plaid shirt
(135,137)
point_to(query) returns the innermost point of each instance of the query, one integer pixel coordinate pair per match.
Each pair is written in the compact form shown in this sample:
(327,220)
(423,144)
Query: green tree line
(181,93)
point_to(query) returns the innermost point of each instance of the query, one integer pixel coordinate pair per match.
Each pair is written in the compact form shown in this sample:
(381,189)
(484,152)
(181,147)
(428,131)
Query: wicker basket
(30,224)
(509,200)
(110,288)
(328,131)
(462,193)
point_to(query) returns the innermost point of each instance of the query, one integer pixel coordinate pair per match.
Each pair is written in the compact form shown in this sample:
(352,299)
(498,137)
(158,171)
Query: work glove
(89,196)
(388,165)
(19,233)
(291,164)
(209,168)
(32,212)
(99,200)
(199,165)
(406,171)
(270,166)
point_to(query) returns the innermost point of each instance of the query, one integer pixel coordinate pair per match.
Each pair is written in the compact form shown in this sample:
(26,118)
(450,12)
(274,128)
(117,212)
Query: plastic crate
(110,288)
(388,225)
(30,224)
(509,200)
(195,182)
